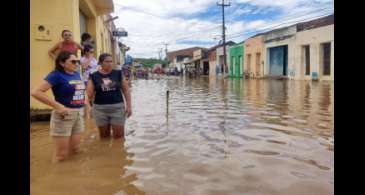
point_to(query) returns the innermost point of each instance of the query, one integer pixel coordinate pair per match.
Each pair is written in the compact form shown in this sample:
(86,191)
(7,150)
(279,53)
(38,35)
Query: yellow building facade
(48,18)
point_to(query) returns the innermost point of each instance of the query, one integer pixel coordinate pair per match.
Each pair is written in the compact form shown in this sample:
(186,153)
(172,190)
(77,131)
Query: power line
(280,24)
(263,30)
(192,35)
(240,34)
(233,13)
(293,14)
(178,38)
(173,40)
(164,34)
(158,17)
(167,34)
(143,12)
(157,36)
(235,35)
(281,20)
(289,16)
(247,32)
(267,28)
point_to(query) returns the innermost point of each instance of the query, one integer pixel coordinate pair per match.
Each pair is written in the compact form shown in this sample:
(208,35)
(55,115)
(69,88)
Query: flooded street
(232,137)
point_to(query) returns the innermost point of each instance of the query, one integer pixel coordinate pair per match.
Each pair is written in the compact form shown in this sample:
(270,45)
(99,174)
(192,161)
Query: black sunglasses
(75,61)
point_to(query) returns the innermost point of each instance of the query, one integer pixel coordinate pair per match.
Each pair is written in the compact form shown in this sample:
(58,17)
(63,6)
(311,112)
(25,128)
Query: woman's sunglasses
(75,61)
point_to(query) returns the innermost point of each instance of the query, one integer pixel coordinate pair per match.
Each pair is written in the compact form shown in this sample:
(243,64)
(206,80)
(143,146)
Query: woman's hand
(86,64)
(128,111)
(63,111)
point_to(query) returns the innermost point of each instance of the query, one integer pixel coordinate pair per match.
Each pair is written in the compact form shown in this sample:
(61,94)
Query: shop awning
(191,61)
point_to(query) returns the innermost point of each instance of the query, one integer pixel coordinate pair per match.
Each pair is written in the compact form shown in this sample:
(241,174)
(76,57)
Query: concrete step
(40,115)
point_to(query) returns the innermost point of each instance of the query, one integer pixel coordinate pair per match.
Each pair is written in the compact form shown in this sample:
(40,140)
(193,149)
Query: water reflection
(101,168)
(306,99)
(325,94)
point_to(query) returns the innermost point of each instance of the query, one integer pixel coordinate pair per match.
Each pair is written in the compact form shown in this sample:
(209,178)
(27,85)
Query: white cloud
(168,7)
(286,6)
(151,22)
(146,32)
(273,3)
(241,11)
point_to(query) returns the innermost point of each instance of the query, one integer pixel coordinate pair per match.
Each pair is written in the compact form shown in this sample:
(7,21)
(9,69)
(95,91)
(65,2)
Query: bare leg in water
(62,148)
(104,131)
(75,140)
(118,131)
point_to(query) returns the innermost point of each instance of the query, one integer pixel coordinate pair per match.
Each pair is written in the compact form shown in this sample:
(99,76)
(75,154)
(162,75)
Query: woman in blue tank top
(106,88)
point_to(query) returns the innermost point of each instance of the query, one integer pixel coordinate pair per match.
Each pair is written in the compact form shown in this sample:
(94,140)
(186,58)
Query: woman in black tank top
(106,88)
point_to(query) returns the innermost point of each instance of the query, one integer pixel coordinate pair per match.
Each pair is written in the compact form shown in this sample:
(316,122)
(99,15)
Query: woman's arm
(39,93)
(85,63)
(51,52)
(87,106)
(90,90)
(127,95)
(79,46)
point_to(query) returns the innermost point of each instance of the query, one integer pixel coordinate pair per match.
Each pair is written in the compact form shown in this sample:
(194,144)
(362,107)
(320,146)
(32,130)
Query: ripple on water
(140,169)
(307,161)
(262,152)
(301,175)
(284,129)
(253,136)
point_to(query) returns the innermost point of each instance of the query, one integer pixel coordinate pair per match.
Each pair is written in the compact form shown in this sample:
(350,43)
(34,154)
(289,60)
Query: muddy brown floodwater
(232,137)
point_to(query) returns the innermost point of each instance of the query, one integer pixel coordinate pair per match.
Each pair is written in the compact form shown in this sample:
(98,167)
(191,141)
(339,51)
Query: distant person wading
(106,88)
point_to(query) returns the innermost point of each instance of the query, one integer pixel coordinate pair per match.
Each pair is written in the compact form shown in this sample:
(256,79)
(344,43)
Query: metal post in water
(167,102)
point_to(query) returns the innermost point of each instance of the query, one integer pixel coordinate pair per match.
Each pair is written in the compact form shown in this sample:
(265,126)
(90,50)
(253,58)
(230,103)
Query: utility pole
(224,36)
(166,44)
(159,54)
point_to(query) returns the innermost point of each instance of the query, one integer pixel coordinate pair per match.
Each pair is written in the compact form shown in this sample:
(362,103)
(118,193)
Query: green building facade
(235,69)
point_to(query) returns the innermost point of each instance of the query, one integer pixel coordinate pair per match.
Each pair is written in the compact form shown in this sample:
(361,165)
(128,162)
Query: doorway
(258,64)
(326,58)
(306,49)
(206,68)
(278,61)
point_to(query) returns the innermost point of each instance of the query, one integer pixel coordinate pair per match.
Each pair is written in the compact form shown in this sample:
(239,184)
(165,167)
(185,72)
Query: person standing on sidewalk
(106,88)
(68,44)
(88,63)
(86,40)
(67,122)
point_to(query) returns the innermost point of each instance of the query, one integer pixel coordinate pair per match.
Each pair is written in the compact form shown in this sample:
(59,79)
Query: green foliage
(149,62)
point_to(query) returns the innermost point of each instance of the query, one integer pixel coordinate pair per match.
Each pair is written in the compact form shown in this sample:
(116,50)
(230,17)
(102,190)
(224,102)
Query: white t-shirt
(91,68)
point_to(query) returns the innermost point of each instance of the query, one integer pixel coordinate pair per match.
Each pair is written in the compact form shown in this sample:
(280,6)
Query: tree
(150,62)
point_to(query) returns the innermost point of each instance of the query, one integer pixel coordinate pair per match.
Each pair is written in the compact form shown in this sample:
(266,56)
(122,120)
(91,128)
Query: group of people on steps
(80,87)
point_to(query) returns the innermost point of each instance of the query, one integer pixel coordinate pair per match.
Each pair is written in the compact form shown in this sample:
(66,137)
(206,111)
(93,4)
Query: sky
(188,23)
